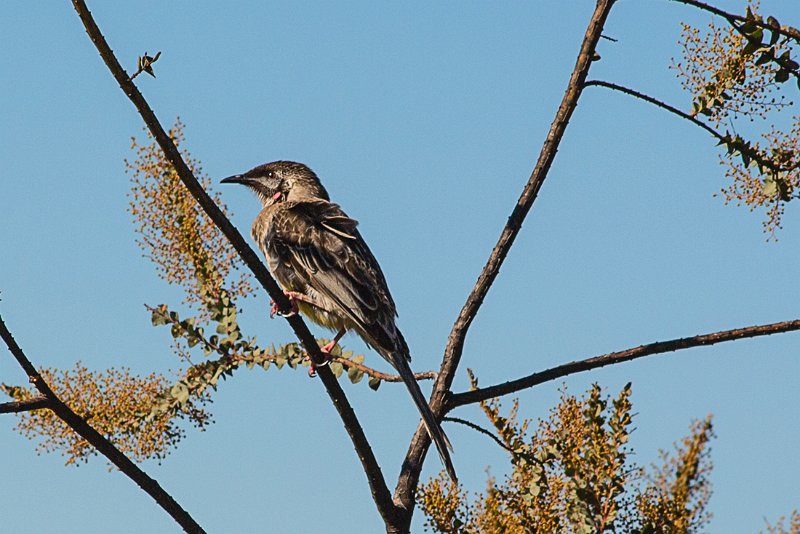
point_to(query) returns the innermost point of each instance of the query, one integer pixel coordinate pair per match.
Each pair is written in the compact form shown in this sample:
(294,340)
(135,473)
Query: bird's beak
(236,179)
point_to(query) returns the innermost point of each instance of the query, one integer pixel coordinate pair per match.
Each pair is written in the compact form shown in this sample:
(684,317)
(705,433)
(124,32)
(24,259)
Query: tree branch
(660,347)
(380,492)
(755,155)
(659,103)
(409,476)
(386,377)
(478,428)
(98,441)
(37,403)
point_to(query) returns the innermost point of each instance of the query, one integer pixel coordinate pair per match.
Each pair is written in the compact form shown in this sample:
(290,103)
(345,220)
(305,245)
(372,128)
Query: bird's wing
(323,247)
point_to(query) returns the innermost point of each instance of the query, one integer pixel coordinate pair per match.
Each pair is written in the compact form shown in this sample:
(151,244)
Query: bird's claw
(312,368)
(275,310)
(326,351)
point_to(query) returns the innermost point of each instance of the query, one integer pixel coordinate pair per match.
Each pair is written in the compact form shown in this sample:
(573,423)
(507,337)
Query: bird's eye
(270,174)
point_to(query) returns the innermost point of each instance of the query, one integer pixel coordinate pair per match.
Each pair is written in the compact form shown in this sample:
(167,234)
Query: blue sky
(424,120)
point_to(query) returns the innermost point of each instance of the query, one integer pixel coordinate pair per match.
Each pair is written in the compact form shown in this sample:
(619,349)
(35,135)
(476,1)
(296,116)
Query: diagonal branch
(754,154)
(380,492)
(29,405)
(97,440)
(409,477)
(660,347)
(478,428)
(514,454)
(658,103)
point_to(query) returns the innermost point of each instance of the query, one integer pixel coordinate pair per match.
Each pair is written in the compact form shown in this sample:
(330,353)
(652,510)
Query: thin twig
(478,428)
(424,375)
(755,155)
(658,103)
(29,405)
(409,476)
(98,441)
(515,454)
(660,347)
(380,492)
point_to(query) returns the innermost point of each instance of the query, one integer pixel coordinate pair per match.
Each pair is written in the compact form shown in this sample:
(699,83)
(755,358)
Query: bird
(317,255)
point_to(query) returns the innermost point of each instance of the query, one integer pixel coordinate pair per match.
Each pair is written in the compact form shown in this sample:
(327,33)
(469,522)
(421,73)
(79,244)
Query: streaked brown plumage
(314,249)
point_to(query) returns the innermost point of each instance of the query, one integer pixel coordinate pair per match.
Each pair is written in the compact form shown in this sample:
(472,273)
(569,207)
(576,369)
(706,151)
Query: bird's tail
(431,425)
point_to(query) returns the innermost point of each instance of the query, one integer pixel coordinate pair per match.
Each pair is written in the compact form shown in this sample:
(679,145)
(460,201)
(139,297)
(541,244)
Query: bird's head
(279,181)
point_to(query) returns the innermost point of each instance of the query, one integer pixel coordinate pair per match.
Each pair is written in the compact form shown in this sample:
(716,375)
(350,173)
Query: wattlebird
(326,269)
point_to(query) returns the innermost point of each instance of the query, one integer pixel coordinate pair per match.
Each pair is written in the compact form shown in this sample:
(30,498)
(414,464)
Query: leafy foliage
(141,414)
(572,475)
(146,64)
(678,492)
(233,351)
(113,402)
(781,528)
(737,70)
(175,234)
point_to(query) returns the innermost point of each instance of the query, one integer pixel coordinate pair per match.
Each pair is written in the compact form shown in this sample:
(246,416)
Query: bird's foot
(326,353)
(293,298)
(312,368)
(327,349)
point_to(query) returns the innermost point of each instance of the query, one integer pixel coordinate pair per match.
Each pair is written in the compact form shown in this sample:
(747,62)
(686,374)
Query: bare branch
(755,155)
(656,102)
(98,441)
(29,405)
(409,477)
(380,492)
(660,347)
(478,428)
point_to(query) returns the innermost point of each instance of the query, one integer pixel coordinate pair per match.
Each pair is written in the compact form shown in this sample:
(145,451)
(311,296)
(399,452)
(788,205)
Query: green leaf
(772,22)
(374,383)
(180,392)
(748,27)
(765,57)
(751,46)
(770,187)
(158,317)
(781,76)
(355,375)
